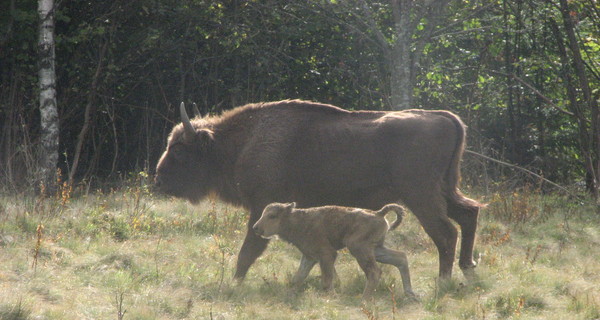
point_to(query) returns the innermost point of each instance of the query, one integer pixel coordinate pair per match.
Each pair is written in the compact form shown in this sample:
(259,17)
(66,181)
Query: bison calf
(319,232)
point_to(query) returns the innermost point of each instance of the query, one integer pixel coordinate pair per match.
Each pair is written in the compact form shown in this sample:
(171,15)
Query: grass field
(127,254)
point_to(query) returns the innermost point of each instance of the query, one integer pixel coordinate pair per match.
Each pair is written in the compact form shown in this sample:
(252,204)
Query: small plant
(223,250)
(585,303)
(532,254)
(518,208)
(136,192)
(119,298)
(14,312)
(64,191)
(391,288)
(122,283)
(516,303)
(38,246)
(368,313)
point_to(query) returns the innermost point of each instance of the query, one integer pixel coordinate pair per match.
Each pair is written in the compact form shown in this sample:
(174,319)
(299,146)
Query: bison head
(269,224)
(184,168)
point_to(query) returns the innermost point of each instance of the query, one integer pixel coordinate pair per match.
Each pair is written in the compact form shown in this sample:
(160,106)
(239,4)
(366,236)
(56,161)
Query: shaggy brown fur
(317,154)
(320,232)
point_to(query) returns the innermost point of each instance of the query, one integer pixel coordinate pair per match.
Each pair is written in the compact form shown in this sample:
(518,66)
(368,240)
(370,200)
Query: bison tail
(399,210)
(459,200)
(452,177)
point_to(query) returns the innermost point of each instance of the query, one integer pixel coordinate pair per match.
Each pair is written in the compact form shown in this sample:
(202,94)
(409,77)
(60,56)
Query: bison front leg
(432,215)
(444,235)
(252,248)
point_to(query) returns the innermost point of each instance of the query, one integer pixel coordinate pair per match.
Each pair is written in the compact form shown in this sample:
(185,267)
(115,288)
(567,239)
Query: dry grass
(130,255)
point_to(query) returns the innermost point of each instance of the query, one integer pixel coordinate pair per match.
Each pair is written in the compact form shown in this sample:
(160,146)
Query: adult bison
(317,154)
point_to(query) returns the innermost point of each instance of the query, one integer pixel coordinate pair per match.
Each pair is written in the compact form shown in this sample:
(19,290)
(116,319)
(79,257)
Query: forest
(523,75)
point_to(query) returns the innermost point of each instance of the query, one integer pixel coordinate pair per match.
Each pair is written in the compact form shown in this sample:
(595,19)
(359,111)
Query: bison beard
(316,154)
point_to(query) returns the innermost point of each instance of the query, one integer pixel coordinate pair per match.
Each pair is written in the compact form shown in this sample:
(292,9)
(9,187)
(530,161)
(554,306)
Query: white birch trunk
(48,106)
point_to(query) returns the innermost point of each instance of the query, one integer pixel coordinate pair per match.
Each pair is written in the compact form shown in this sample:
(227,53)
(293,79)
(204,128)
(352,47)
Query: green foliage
(132,62)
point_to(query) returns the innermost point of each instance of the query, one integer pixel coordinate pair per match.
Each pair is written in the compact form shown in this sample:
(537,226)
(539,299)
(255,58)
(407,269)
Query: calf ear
(291,206)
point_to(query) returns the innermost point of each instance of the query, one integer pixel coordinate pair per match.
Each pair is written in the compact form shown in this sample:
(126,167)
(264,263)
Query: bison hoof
(411,296)
(467,265)
(470,274)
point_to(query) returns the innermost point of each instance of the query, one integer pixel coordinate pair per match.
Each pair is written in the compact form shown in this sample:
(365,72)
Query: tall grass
(129,254)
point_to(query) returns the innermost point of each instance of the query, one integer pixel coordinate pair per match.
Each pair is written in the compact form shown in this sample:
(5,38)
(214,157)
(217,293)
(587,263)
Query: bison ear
(205,136)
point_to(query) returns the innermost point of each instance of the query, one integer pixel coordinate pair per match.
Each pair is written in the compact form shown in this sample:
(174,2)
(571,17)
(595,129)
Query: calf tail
(399,210)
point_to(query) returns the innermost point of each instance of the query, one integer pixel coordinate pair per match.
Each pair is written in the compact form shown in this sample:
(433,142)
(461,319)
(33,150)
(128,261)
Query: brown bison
(321,231)
(316,154)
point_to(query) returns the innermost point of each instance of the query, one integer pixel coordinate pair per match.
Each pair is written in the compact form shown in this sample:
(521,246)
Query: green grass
(130,255)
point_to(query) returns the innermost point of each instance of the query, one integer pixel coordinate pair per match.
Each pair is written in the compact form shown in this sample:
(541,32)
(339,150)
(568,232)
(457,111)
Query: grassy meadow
(128,254)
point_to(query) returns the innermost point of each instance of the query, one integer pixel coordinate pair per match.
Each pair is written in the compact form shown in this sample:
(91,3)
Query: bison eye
(177,151)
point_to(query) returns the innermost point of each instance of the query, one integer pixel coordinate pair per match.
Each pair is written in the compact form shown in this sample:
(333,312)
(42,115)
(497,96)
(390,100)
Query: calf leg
(326,263)
(306,265)
(399,260)
(252,248)
(365,256)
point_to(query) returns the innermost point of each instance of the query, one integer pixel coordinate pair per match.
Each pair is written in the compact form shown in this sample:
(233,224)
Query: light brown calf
(321,231)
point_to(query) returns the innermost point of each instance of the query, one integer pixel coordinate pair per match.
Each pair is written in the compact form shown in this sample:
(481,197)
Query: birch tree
(47,85)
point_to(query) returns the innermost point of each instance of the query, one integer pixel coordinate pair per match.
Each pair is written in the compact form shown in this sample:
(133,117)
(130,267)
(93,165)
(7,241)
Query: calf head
(269,224)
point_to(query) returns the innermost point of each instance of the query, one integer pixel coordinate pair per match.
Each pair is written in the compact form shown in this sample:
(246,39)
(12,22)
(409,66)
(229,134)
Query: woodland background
(523,75)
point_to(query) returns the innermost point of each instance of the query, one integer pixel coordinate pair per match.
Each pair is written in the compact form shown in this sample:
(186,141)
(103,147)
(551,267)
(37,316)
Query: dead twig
(510,165)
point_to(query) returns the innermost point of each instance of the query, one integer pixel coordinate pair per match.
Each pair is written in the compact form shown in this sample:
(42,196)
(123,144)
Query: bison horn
(197,113)
(187,125)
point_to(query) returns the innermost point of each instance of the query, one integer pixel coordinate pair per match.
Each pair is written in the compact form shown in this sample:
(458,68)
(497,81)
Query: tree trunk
(403,53)
(48,106)
(89,112)
(581,101)
(401,90)
(588,100)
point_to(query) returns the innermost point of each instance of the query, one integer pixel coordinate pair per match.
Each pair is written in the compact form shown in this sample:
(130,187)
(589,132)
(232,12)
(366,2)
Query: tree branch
(370,22)
(535,91)
(524,170)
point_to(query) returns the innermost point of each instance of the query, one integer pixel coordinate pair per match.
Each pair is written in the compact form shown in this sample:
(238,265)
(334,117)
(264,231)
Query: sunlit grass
(130,253)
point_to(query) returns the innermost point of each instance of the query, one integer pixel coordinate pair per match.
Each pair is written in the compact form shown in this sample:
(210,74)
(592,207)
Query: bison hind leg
(465,212)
